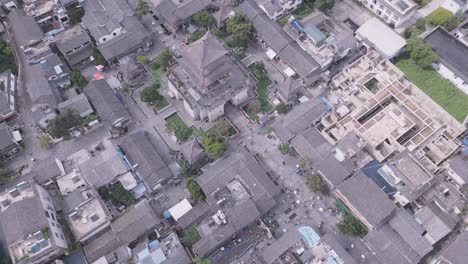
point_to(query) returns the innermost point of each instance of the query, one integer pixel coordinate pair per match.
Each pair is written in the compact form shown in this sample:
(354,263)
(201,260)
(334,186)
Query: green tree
(282,108)
(60,126)
(75,14)
(78,79)
(195,190)
(240,28)
(150,95)
(142,59)
(196,36)
(324,5)
(284,149)
(143,8)
(44,141)
(421,52)
(420,24)
(255,106)
(203,19)
(316,183)
(214,145)
(98,58)
(350,226)
(198,260)
(121,196)
(104,193)
(185,168)
(191,236)
(163,59)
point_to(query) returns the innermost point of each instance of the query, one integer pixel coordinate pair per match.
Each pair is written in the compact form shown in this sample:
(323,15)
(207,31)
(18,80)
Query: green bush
(121,196)
(78,79)
(203,19)
(60,126)
(196,36)
(195,190)
(316,183)
(284,149)
(214,145)
(191,236)
(439,16)
(351,226)
(282,108)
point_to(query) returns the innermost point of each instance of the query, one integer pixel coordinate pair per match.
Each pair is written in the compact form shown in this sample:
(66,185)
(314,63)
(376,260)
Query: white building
(278,9)
(393,12)
(375,34)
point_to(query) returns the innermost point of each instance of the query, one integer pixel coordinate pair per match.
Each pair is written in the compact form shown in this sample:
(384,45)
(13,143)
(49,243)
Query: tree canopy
(98,58)
(324,5)
(191,236)
(151,94)
(240,28)
(75,14)
(119,195)
(214,145)
(421,52)
(350,226)
(203,19)
(143,8)
(78,79)
(316,183)
(60,126)
(284,149)
(195,190)
(282,108)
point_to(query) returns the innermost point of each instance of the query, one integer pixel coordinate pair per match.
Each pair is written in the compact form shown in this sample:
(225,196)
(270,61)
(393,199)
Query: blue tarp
(310,236)
(371,171)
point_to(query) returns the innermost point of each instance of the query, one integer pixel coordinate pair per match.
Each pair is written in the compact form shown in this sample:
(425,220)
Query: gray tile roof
(108,106)
(175,14)
(137,220)
(39,90)
(6,138)
(333,171)
(243,214)
(194,216)
(25,29)
(79,104)
(410,231)
(75,47)
(436,222)
(192,151)
(456,252)
(300,118)
(214,240)
(46,169)
(102,17)
(245,168)
(300,61)
(451,52)
(101,246)
(281,245)
(400,240)
(311,145)
(459,165)
(151,167)
(331,240)
(289,88)
(367,198)
(278,40)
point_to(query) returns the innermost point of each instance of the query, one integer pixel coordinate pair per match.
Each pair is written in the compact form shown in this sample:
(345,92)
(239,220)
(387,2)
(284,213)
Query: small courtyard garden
(441,90)
(174,123)
(261,104)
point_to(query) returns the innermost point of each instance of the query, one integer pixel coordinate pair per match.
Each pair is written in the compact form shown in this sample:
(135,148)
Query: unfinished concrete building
(373,98)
